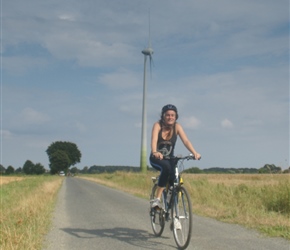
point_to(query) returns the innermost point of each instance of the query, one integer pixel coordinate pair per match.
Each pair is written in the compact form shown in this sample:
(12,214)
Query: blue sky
(73,71)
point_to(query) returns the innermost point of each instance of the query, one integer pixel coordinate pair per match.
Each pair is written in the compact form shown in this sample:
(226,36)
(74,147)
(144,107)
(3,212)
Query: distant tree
(2,169)
(18,170)
(270,169)
(62,155)
(74,170)
(59,161)
(38,169)
(194,170)
(28,167)
(85,170)
(9,170)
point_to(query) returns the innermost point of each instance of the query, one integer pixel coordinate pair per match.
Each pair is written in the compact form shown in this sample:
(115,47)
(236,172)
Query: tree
(194,170)
(62,155)
(2,169)
(270,169)
(59,161)
(9,170)
(28,167)
(18,170)
(74,170)
(85,170)
(38,169)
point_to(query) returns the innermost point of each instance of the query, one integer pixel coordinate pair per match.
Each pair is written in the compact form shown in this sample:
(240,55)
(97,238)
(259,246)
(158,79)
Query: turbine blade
(149,39)
(151,62)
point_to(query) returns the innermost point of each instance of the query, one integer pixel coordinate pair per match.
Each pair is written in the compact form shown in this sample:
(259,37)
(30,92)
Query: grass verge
(256,201)
(26,207)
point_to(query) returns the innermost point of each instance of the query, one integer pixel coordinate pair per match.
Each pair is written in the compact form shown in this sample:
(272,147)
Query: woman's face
(169,117)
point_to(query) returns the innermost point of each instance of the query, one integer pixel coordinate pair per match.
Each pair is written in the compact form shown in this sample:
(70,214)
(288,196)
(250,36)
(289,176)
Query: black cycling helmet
(169,107)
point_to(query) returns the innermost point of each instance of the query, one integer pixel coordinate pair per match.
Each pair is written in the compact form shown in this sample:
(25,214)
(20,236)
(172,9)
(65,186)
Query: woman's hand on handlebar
(158,155)
(197,156)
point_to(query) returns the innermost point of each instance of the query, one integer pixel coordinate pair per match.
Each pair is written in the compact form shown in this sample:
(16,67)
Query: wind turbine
(143,159)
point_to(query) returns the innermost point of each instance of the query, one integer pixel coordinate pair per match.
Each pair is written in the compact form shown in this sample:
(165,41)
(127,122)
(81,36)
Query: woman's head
(169,114)
(169,107)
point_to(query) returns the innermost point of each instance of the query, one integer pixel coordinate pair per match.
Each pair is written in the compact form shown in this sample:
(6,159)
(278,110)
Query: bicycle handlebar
(179,157)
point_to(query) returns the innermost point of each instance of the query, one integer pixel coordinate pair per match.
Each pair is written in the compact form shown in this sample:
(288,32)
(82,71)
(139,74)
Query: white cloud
(81,127)
(190,122)
(5,133)
(32,116)
(121,79)
(226,123)
(67,17)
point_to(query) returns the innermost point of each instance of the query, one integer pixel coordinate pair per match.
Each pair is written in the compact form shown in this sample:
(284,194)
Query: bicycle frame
(178,181)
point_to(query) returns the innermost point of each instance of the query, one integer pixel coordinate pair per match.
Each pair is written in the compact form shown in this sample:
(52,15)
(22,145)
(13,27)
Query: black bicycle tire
(186,242)
(153,215)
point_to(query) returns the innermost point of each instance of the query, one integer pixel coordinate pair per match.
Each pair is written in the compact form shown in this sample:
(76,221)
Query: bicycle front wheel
(181,214)
(157,216)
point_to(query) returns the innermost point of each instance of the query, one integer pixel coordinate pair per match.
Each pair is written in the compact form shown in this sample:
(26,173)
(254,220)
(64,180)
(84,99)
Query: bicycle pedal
(157,209)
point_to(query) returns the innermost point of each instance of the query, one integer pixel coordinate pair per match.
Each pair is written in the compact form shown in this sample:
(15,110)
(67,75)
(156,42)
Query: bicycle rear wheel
(157,216)
(181,214)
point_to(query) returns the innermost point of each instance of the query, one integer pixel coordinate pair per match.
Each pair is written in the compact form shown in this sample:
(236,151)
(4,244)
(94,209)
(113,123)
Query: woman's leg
(164,167)
(159,192)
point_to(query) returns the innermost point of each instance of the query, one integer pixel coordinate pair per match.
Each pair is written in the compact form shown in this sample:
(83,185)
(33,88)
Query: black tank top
(166,147)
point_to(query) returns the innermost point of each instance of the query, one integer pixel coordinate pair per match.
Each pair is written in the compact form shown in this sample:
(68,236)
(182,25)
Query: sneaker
(156,203)
(177,224)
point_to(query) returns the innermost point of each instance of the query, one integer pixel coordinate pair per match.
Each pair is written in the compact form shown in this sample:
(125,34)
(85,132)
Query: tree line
(266,169)
(28,168)
(63,155)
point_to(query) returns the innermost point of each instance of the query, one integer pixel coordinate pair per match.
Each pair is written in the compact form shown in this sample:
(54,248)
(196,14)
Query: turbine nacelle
(148,52)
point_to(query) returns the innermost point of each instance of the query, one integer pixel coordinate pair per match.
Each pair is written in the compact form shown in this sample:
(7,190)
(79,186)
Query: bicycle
(178,208)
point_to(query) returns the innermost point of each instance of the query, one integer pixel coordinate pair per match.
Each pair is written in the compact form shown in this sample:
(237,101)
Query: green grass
(26,207)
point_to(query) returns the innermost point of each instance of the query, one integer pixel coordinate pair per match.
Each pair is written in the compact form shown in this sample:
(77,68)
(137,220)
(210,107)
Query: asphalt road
(91,216)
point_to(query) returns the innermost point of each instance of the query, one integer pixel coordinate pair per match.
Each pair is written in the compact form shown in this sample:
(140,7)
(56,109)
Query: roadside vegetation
(26,206)
(257,201)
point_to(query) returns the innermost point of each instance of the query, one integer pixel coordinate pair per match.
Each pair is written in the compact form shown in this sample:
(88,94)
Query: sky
(73,71)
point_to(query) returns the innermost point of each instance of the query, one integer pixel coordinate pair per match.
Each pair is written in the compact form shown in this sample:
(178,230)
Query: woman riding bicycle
(163,139)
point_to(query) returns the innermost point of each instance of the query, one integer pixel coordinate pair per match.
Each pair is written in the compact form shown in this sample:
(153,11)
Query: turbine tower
(143,159)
